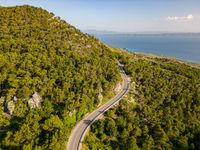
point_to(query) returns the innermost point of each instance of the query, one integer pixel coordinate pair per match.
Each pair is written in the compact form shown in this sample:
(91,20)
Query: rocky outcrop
(35,101)
(100,96)
(14,99)
(117,88)
(71,113)
(9,107)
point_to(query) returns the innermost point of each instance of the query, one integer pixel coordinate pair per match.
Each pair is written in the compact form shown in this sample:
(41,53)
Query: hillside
(51,74)
(161,111)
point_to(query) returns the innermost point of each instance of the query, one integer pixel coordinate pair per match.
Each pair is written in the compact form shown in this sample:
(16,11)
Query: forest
(50,76)
(161,110)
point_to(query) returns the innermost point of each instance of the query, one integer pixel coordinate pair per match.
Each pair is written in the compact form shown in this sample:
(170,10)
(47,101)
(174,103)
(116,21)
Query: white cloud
(189,17)
(176,18)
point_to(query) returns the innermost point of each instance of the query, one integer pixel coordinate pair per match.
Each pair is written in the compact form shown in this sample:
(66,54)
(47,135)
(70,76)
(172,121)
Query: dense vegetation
(161,111)
(42,53)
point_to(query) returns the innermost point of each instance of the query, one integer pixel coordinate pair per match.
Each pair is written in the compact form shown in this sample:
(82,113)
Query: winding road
(80,130)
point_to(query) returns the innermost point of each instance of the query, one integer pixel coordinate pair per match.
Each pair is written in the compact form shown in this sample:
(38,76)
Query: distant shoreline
(184,47)
(165,56)
(97,32)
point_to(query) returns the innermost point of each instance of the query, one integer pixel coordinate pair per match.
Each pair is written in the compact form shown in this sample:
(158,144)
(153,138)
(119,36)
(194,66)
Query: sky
(123,15)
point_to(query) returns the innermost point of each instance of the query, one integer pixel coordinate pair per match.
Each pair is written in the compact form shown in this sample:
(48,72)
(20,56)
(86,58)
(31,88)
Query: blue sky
(124,15)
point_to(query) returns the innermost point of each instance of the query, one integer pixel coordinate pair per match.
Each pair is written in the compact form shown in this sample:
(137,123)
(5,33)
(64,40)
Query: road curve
(78,133)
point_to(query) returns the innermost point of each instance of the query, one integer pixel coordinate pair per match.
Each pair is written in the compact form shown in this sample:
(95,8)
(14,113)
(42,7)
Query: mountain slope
(51,74)
(161,111)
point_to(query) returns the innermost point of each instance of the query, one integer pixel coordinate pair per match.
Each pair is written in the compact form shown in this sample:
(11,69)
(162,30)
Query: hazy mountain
(100,32)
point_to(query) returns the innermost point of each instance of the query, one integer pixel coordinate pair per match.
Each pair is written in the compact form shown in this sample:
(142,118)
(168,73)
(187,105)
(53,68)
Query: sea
(181,46)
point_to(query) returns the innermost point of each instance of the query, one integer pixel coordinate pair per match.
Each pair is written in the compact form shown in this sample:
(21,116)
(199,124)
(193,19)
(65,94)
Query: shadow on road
(88,122)
(101,111)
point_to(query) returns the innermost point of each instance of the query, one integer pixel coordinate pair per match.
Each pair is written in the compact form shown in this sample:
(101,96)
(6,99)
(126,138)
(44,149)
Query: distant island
(102,32)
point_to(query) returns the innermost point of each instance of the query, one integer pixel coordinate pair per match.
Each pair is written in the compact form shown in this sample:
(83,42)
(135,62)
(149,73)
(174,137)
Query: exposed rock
(14,99)
(100,90)
(118,87)
(129,79)
(100,96)
(10,106)
(71,113)
(34,101)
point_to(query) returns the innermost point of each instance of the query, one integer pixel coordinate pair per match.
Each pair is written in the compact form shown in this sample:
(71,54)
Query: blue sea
(182,46)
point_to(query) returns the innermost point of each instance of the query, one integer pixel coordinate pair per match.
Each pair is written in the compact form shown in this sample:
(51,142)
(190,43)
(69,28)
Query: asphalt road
(79,132)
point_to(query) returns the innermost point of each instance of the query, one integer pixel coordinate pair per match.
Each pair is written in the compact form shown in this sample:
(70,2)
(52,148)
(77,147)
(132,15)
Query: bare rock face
(34,101)
(100,96)
(71,113)
(117,87)
(14,99)
(10,106)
